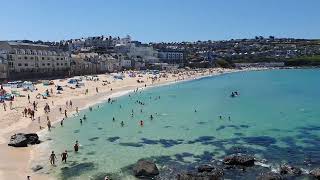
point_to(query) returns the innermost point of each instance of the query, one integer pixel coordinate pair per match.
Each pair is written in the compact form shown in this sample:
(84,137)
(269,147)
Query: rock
(213,175)
(33,138)
(315,173)
(18,140)
(239,159)
(22,140)
(291,170)
(269,176)
(205,168)
(36,168)
(145,168)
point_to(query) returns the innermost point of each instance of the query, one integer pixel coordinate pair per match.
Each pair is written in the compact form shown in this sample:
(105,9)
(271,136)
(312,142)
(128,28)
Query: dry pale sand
(15,162)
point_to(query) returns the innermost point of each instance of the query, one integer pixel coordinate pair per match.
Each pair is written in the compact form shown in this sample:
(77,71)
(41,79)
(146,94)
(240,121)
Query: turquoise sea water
(276,117)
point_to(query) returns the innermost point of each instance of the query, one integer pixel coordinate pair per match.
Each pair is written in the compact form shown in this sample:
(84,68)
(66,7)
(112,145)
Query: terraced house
(30,60)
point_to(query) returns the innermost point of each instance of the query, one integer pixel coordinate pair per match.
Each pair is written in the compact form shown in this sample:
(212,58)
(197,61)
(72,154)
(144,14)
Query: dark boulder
(33,138)
(205,168)
(36,168)
(269,176)
(239,159)
(213,175)
(18,140)
(315,173)
(291,170)
(22,140)
(145,168)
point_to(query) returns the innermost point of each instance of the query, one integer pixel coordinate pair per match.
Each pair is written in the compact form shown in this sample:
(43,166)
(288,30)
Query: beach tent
(46,83)
(118,76)
(14,84)
(73,81)
(27,85)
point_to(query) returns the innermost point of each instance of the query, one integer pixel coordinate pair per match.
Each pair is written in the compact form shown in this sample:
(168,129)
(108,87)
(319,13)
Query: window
(25,57)
(31,58)
(43,64)
(19,57)
(48,58)
(19,64)
(65,64)
(57,58)
(26,64)
(58,64)
(61,64)
(42,58)
(48,64)
(61,58)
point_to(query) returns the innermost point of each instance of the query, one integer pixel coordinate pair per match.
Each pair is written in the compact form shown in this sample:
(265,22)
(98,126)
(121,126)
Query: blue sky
(159,20)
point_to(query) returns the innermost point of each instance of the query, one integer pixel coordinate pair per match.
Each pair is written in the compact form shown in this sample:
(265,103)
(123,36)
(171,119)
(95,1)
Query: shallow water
(276,117)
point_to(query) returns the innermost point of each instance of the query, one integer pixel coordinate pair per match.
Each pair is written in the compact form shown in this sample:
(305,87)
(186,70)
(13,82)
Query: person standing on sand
(70,103)
(10,105)
(52,158)
(61,122)
(77,109)
(4,106)
(65,113)
(29,98)
(49,125)
(97,90)
(64,156)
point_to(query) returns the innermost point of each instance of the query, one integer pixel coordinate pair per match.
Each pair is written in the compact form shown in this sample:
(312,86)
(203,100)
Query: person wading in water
(52,158)
(64,156)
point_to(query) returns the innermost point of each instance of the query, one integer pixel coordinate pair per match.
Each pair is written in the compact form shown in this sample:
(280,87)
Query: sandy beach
(16,162)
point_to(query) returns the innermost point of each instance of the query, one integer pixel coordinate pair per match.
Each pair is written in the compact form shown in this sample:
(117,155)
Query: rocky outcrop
(22,140)
(36,168)
(290,170)
(269,176)
(216,174)
(205,168)
(239,159)
(145,168)
(315,173)
(33,138)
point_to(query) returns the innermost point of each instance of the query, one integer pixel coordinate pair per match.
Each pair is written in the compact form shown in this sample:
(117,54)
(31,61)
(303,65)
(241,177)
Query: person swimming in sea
(151,117)
(141,123)
(113,119)
(122,123)
(220,117)
(84,117)
(81,121)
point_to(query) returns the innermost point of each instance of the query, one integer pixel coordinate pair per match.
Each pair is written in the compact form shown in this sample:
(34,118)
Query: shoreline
(84,103)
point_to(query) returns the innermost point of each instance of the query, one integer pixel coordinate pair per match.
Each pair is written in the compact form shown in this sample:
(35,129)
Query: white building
(147,53)
(34,58)
(171,56)
(126,63)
